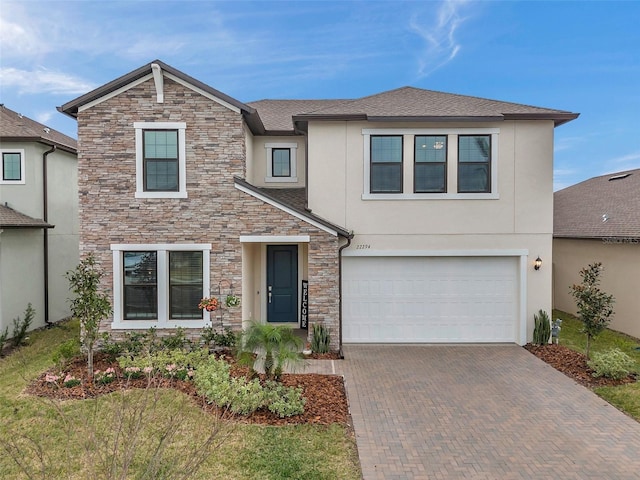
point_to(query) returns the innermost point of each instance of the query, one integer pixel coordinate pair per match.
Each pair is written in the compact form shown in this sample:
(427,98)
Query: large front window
(474,163)
(160,285)
(386,164)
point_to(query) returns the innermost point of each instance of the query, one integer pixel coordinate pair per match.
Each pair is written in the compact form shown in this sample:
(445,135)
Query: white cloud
(42,80)
(44,117)
(441,45)
(630,161)
(18,41)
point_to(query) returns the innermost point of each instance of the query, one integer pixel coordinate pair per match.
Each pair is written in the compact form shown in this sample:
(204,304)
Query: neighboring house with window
(598,220)
(406,216)
(38,219)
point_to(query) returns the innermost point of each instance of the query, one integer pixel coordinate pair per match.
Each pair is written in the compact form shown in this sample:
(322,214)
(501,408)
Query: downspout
(349,238)
(45,215)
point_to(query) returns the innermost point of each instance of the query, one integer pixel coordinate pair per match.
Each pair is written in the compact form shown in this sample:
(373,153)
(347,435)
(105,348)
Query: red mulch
(574,365)
(326,400)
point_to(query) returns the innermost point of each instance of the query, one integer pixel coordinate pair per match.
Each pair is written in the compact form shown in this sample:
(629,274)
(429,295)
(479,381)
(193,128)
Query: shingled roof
(402,104)
(601,207)
(10,218)
(16,127)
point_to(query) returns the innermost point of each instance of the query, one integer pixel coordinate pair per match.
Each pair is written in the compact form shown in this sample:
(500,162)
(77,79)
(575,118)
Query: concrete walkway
(479,412)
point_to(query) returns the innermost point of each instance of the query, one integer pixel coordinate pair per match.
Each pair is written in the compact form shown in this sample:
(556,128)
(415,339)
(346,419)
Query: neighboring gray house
(598,220)
(38,219)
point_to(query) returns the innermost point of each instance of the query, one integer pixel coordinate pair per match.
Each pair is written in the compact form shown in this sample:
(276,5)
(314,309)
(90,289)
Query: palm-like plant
(275,345)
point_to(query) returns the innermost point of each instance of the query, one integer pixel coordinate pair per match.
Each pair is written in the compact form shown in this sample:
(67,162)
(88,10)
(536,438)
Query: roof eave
(44,141)
(559,118)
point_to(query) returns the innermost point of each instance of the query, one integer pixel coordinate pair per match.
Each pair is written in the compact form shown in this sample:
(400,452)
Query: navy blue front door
(282,283)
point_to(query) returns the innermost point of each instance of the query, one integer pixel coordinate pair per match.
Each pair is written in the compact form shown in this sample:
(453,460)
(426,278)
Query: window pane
(473,177)
(161,175)
(474,148)
(11,166)
(386,178)
(386,149)
(429,178)
(185,284)
(281,162)
(161,144)
(140,285)
(431,148)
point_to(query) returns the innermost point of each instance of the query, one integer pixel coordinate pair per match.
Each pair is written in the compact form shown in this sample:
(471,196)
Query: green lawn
(626,397)
(119,435)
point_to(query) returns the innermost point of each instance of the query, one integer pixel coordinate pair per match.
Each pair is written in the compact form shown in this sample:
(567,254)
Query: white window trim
(293,148)
(450,194)
(182,159)
(163,320)
(22,180)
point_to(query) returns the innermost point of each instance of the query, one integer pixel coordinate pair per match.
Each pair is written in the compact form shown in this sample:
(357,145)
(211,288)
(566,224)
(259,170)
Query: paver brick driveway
(480,412)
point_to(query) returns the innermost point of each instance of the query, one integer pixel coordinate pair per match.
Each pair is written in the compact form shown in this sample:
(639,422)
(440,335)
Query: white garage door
(430,299)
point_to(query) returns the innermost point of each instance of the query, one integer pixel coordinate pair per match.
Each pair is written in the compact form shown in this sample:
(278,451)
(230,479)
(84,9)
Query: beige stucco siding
(621,276)
(517,217)
(257,161)
(22,249)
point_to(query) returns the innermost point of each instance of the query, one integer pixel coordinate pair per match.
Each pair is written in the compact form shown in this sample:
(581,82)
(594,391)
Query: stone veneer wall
(215,211)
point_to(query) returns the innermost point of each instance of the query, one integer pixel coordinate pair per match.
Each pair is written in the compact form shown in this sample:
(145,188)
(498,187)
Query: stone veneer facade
(215,211)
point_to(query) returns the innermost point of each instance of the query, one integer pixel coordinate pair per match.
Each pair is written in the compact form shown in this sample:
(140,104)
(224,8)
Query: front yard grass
(80,438)
(624,397)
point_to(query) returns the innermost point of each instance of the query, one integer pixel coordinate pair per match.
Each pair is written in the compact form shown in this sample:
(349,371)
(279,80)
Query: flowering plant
(209,304)
(232,301)
(51,378)
(108,376)
(70,381)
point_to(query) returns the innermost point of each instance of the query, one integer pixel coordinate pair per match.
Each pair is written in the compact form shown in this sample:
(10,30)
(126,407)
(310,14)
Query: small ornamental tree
(594,305)
(89,306)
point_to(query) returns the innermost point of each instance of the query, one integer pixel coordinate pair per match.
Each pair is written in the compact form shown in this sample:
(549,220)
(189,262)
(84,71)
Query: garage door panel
(427,299)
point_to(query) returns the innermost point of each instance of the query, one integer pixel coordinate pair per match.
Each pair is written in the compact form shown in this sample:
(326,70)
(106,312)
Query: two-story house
(407,216)
(38,219)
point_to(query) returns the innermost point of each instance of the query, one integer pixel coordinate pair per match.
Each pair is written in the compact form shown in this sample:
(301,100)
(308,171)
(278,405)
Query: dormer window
(281,162)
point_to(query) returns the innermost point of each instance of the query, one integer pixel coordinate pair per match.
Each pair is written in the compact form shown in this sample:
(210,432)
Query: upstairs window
(386,164)
(160,160)
(281,162)
(474,163)
(430,164)
(160,150)
(12,166)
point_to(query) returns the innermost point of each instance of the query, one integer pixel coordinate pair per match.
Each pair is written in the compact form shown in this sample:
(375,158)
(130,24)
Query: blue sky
(577,56)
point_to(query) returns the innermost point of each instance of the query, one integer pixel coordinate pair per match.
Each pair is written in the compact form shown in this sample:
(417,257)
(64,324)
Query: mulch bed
(574,365)
(326,400)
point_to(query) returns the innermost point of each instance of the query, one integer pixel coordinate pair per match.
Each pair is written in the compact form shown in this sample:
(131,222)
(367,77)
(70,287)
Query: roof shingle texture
(10,218)
(405,102)
(601,207)
(13,125)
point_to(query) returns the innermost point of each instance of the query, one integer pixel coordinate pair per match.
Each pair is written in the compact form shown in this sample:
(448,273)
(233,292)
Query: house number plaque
(304,306)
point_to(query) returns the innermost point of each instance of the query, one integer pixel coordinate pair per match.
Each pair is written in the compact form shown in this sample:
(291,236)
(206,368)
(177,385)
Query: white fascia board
(291,212)
(202,92)
(436,253)
(115,93)
(275,238)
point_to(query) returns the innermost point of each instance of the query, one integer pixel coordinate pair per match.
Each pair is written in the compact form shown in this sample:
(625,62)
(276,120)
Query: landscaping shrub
(212,338)
(542,329)
(65,353)
(21,327)
(177,340)
(3,339)
(611,364)
(321,339)
(284,401)
(168,363)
